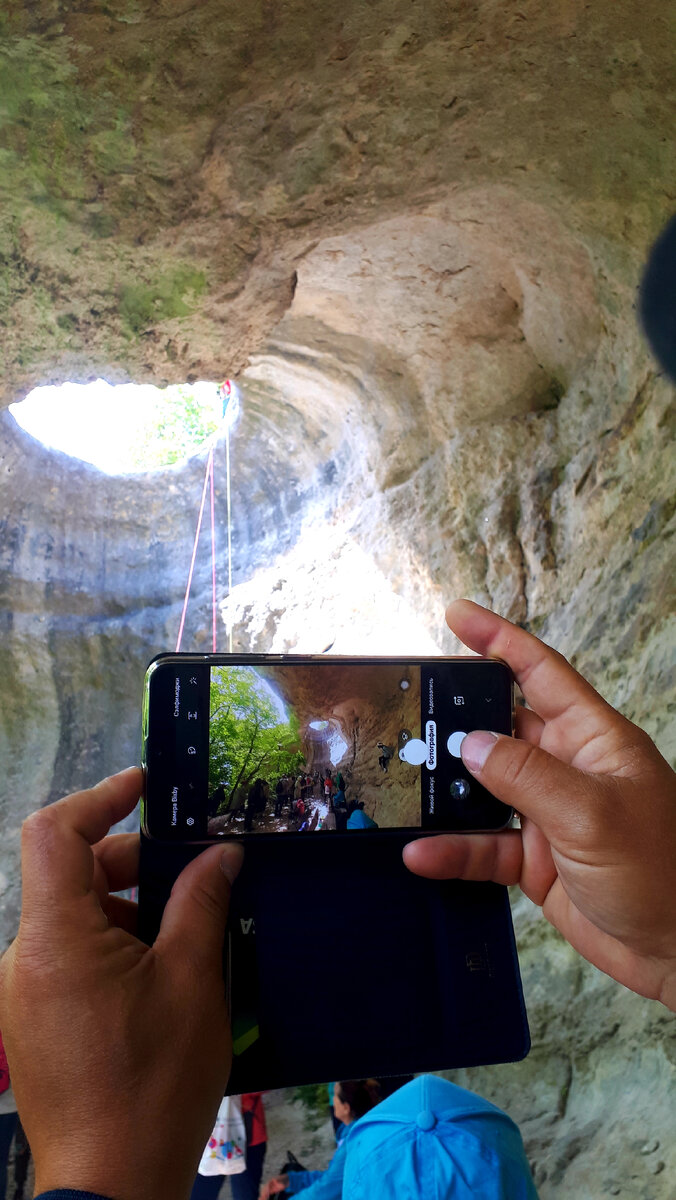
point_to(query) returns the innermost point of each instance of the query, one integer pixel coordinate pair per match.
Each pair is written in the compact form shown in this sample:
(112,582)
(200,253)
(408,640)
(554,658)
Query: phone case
(340,964)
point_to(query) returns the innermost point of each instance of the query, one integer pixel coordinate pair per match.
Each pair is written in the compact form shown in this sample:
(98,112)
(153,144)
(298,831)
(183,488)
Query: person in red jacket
(246,1185)
(7,1117)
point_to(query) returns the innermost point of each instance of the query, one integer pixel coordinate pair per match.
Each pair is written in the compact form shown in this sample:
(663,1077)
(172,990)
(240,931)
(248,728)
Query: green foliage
(114,149)
(179,425)
(315,1097)
(247,737)
(171,295)
(54,133)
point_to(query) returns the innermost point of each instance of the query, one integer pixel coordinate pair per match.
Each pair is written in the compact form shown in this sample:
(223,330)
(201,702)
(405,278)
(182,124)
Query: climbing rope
(208,474)
(225,393)
(227,484)
(213,556)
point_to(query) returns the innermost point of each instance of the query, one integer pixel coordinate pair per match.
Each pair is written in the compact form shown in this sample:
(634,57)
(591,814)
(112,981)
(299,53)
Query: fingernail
(231,861)
(476,747)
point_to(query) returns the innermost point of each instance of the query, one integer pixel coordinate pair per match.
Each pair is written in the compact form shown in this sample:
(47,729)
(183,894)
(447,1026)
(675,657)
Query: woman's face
(341,1109)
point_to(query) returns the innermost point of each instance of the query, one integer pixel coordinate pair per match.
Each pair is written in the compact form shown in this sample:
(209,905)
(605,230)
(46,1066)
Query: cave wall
(414,233)
(365,709)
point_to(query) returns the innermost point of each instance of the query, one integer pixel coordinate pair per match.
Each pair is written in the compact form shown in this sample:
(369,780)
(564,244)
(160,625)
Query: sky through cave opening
(128,428)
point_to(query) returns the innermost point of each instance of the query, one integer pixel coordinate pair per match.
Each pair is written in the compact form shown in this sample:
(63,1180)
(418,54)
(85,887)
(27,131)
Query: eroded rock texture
(414,233)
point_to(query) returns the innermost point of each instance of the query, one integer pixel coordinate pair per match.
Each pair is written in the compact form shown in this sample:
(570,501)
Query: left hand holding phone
(98,1026)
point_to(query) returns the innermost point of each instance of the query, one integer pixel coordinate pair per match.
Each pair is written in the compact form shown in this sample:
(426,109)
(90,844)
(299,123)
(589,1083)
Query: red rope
(207,474)
(213,560)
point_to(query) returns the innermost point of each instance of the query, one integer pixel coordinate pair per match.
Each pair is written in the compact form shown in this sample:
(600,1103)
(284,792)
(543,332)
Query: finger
(496,856)
(571,807)
(193,924)
(549,683)
(118,857)
(57,859)
(529,726)
(122,913)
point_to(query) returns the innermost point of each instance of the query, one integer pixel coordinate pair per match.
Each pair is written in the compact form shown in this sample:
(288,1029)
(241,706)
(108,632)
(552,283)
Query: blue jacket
(431,1140)
(321,1185)
(359,820)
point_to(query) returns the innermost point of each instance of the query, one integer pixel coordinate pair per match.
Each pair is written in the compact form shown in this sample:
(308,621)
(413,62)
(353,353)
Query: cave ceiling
(167,168)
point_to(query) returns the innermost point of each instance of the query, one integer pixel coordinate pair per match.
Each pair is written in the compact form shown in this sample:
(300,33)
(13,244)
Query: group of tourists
(295,792)
(310,800)
(291,793)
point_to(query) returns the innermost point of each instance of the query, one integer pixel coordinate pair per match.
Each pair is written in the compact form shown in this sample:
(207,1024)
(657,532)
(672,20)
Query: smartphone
(267,745)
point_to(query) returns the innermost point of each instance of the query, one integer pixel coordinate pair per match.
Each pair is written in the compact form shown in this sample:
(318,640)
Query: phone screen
(276,747)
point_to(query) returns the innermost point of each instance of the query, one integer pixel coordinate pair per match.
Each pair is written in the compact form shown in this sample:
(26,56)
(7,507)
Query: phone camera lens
(459,789)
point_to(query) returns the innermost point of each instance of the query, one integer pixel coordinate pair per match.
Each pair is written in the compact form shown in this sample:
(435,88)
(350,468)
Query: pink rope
(213,559)
(210,465)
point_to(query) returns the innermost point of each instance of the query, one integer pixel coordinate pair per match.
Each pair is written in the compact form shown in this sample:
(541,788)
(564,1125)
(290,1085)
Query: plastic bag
(224,1153)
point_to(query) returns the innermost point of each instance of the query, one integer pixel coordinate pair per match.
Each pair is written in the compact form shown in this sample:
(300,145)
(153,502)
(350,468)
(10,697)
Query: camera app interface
(305,748)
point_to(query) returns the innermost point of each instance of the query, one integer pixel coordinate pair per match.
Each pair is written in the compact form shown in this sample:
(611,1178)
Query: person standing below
(279,797)
(250,808)
(328,787)
(340,809)
(246,1185)
(351,1100)
(433,1140)
(386,754)
(8,1119)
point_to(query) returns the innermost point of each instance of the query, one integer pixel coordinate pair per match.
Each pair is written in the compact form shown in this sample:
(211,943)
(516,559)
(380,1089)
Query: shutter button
(426,1120)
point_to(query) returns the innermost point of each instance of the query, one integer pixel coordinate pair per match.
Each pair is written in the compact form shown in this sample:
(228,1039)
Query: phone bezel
(168,658)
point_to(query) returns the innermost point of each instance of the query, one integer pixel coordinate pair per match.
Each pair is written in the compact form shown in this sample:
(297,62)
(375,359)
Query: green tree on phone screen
(251,735)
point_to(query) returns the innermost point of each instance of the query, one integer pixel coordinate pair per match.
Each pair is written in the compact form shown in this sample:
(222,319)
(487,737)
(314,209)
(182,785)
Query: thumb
(550,792)
(193,923)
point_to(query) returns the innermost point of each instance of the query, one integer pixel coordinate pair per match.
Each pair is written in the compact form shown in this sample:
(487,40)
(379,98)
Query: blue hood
(359,820)
(432,1140)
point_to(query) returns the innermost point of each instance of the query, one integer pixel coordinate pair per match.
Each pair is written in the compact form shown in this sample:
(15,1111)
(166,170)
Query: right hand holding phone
(597,844)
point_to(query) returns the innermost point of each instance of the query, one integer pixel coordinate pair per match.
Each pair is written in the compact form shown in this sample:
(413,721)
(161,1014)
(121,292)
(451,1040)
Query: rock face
(361,710)
(414,233)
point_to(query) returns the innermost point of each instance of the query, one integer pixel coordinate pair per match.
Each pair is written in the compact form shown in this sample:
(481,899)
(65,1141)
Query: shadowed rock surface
(414,234)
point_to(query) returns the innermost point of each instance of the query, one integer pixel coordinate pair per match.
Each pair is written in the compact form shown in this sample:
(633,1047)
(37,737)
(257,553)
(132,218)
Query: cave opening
(326,744)
(128,428)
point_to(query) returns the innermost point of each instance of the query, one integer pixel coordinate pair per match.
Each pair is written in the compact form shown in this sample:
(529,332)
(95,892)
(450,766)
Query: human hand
(119,1052)
(273,1187)
(597,844)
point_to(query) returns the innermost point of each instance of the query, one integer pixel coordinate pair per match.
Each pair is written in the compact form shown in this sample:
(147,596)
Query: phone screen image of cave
(314,748)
